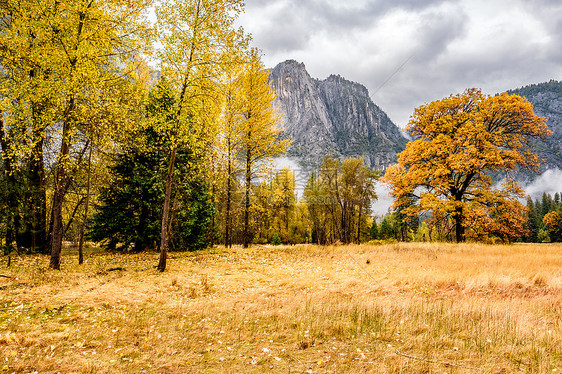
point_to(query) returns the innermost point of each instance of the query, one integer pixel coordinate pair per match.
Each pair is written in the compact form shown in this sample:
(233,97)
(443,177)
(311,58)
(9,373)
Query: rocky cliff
(547,102)
(332,117)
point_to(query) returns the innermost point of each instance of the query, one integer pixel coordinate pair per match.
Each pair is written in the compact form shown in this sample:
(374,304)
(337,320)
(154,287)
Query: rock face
(547,102)
(332,117)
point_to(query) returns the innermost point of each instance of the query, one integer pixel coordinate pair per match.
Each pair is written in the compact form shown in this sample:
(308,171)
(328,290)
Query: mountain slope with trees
(547,102)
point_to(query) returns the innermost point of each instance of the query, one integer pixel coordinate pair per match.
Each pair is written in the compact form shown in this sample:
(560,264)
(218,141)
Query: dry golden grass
(402,308)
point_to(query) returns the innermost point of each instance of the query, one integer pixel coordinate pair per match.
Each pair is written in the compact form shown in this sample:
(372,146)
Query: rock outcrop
(332,117)
(547,102)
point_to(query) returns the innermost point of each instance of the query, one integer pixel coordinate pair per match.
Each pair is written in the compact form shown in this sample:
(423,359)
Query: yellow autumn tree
(553,222)
(194,35)
(72,74)
(260,141)
(229,139)
(458,142)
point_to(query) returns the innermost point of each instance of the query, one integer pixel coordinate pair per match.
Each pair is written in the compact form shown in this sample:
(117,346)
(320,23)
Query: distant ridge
(547,102)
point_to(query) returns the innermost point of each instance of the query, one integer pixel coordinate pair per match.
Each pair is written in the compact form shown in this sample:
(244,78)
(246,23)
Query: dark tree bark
(458,218)
(58,198)
(165,229)
(247,196)
(85,219)
(228,218)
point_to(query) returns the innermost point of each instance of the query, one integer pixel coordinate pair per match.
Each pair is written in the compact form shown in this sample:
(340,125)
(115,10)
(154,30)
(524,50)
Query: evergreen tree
(546,205)
(374,231)
(129,213)
(532,222)
(386,231)
(131,204)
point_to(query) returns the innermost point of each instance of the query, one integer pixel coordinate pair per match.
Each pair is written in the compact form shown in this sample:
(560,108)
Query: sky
(411,52)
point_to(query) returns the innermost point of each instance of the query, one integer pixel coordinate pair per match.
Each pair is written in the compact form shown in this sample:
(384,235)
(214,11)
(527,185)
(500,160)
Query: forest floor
(400,308)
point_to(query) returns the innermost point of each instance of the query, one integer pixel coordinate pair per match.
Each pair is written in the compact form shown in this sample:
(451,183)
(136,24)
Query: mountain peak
(334,117)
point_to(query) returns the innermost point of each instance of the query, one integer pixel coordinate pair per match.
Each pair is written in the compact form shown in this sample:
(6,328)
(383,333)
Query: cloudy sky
(410,52)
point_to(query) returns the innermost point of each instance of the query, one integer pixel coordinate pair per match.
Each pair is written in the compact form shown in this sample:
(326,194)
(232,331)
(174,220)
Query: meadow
(397,308)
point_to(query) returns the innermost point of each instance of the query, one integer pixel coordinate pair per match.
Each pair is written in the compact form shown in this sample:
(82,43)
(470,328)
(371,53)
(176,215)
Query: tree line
(96,144)
(88,125)
(544,223)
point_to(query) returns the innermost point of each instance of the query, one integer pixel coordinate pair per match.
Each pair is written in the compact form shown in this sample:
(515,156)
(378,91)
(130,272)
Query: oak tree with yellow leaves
(459,142)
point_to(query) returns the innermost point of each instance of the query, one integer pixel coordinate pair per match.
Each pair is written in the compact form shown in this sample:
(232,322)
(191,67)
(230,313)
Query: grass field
(401,308)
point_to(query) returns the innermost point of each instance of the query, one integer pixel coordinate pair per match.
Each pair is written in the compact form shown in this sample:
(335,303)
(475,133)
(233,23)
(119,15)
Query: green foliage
(276,240)
(386,230)
(543,236)
(374,230)
(537,211)
(534,89)
(131,204)
(129,214)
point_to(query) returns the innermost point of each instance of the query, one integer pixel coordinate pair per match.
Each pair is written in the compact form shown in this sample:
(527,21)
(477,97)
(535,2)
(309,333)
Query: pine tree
(532,221)
(374,230)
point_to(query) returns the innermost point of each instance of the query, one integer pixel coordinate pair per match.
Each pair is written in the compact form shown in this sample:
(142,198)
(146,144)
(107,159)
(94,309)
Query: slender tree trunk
(166,224)
(227,223)
(58,198)
(359,225)
(247,196)
(85,219)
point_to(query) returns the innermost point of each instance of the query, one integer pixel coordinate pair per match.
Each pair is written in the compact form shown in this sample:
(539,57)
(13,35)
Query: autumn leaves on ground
(411,308)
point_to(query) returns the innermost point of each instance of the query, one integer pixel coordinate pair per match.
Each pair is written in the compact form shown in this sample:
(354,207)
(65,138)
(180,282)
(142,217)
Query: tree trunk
(247,197)
(85,220)
(458,218)
(227,223)
(166,224)
(56,241)
(58,198)
(359,225)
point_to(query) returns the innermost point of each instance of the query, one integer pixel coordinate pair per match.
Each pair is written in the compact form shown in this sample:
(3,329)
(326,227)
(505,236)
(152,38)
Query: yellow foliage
(458,142)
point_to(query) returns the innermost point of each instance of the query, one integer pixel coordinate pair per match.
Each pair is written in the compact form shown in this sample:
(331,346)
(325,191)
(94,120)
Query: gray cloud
(448,45)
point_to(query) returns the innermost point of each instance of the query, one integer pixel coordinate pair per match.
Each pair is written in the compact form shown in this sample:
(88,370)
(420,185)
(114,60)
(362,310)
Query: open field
(401,308)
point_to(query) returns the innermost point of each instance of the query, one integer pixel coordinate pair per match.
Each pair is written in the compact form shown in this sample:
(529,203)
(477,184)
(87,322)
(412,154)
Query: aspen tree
(71,70)
(261,135)
(195,35)
(231,135)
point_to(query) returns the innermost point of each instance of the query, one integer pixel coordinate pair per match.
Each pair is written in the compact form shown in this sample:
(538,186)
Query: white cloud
(550,182)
